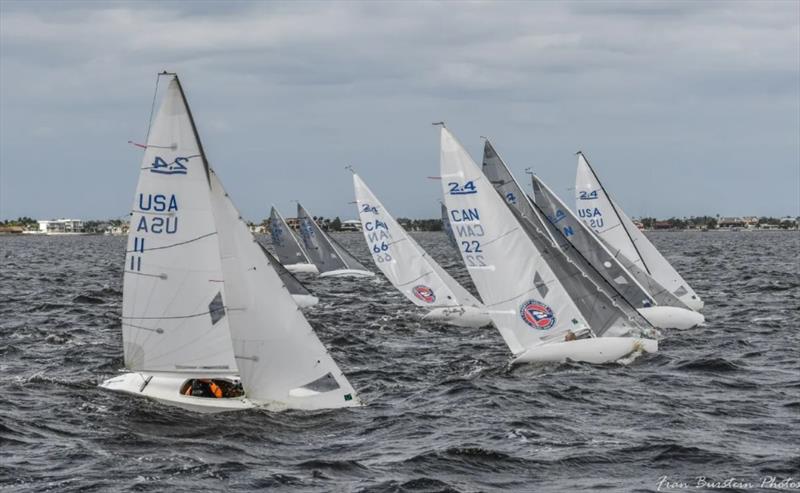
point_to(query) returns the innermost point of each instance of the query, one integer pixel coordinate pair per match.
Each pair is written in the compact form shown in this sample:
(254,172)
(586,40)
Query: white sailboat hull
(460,316)
(165,388)
(671,317)
(695,303)
(305,300)
(302,268)
(347,273)
(596,350)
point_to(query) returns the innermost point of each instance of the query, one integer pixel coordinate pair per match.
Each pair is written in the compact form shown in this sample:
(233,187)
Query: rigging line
(501,236)
(143,328)
(397,241)
(175,244)
(160,276)
(175,317)
(415,280)
(152,110)
(520,295)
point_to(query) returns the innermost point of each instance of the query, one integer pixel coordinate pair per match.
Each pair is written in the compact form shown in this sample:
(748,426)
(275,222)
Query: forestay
(407,266)
(321,249)
(602,306)
(287,247)
(279,356)
(596,208)
(173,314)
(525,300)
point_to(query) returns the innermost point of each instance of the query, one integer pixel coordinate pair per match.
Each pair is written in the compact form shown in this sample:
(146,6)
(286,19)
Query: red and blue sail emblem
(424,293)
(537,314)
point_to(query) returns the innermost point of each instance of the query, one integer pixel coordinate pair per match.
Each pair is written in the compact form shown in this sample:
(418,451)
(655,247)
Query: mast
(525,196)
(614,207)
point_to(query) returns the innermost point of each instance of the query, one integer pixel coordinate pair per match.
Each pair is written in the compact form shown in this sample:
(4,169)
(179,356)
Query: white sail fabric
(585,242)
(173,304)
(523,297)
(607,219)
(326,254)
(287,247)
(289,281)
(448,229)
(658,292)
(276,349)
(407,266)
(602,306)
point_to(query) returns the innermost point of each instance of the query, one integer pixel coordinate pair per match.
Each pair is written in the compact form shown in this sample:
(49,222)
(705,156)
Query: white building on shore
(60,226)
(351,225)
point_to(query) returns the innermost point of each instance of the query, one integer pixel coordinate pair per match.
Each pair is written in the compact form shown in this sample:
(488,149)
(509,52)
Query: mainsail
(606,218)
(173,304)
(287,247)
(321,248)
(200,295)
(601,304)
(524,298)
(407,266)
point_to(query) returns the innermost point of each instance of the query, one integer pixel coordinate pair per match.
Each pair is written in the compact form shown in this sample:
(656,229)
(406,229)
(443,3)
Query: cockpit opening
(215,388)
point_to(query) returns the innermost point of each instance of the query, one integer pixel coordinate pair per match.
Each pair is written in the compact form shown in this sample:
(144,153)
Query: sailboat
(410,269)
(605,309)
(301,294)
(668,312)
(601,213)
(524,298)
(201,302)
(331,258)
(288,248)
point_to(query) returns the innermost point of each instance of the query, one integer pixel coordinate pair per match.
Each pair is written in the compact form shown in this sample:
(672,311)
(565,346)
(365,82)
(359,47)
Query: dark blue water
(444,413)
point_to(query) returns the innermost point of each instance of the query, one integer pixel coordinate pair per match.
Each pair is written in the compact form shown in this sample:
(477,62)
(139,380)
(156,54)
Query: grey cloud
(681,88)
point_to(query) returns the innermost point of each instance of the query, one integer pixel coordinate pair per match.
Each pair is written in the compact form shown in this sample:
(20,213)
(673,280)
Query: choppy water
(444,412)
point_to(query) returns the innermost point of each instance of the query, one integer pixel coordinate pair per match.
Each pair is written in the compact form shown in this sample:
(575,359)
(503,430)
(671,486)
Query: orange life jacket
(215,390)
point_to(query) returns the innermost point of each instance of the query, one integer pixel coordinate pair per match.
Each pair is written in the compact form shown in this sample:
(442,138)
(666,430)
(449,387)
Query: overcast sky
(683,108)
